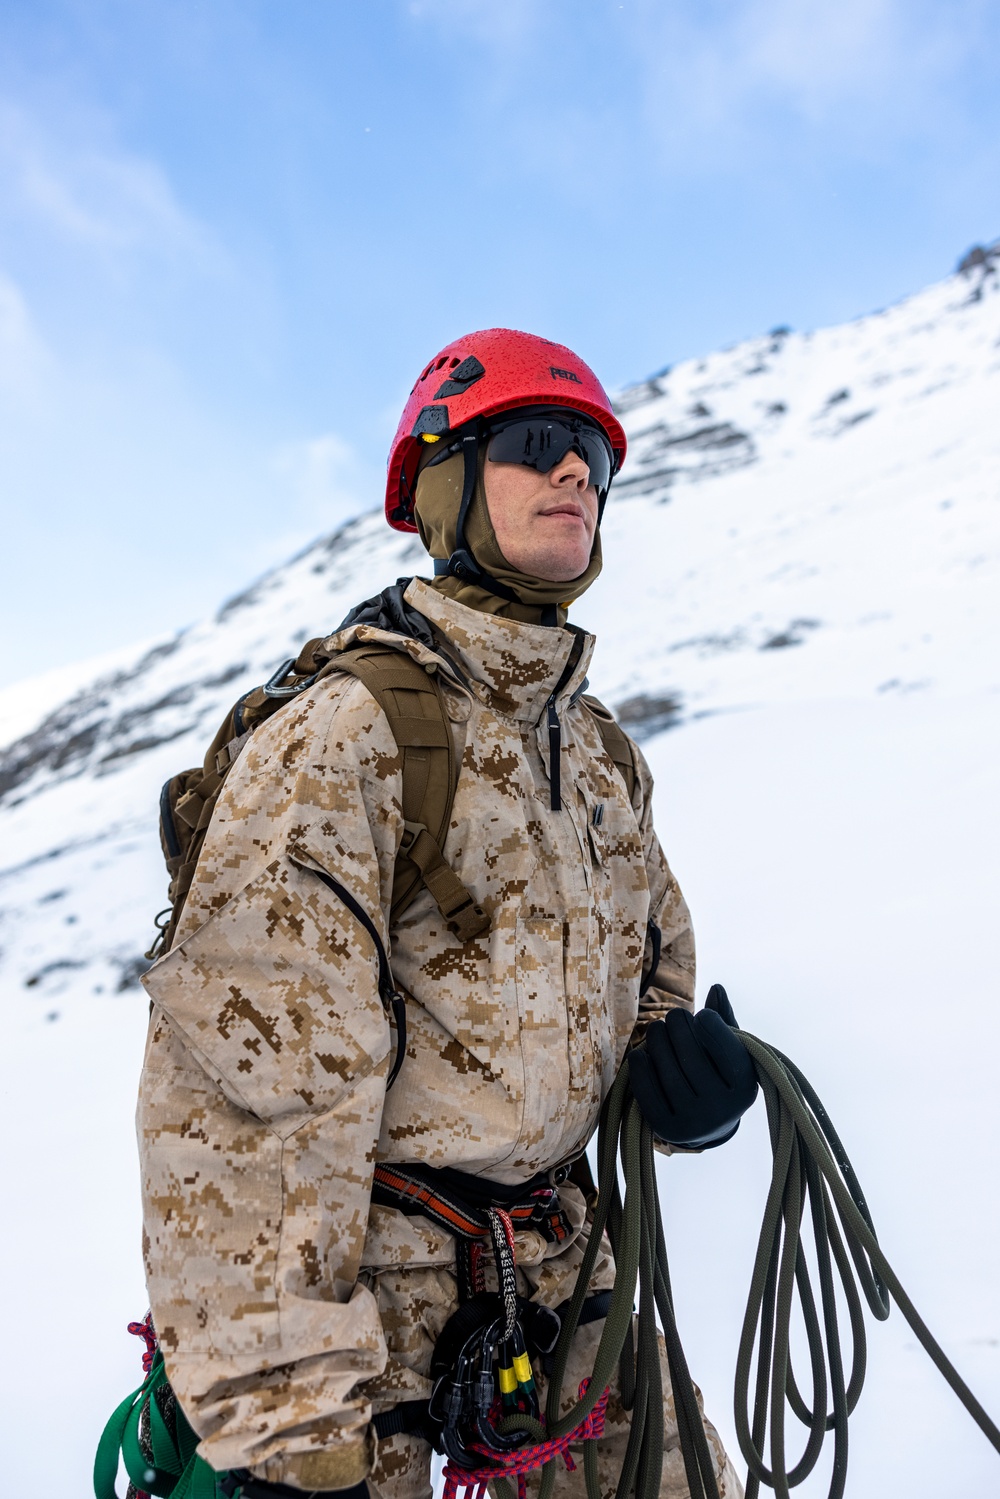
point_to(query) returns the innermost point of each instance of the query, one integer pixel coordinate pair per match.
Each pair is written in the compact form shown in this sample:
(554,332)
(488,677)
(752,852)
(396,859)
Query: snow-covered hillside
(803,585)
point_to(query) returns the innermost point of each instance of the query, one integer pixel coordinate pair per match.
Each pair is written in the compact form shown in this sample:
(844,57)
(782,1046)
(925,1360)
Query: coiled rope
(812,1175)
(812,1170)
(635,1231)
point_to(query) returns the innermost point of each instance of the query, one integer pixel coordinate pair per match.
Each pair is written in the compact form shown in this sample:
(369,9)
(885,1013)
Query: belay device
(484,1412)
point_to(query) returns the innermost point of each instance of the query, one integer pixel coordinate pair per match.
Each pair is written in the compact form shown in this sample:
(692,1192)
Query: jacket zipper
(388,992)
(555,748)
(555,729)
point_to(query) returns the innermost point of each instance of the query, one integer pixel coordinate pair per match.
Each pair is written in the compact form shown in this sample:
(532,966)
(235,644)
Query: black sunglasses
(540,442)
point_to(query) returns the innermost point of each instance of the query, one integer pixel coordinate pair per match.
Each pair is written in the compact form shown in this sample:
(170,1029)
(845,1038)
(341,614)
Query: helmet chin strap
(462,564)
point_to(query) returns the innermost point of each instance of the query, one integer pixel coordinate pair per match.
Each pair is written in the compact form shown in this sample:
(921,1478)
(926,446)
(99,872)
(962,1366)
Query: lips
(575,512)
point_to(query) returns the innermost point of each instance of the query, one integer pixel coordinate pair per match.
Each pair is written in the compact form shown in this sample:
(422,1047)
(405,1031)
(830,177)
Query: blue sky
(232,233)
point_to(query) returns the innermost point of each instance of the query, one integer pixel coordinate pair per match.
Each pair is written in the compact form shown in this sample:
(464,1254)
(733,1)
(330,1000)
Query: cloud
(814,56)
(322,482)
(718,84)
(497,26)
(91,194)
(721,80)
(720,77)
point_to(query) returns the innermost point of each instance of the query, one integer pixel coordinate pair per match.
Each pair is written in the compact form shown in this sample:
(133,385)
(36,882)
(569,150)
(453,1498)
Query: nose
(571,472)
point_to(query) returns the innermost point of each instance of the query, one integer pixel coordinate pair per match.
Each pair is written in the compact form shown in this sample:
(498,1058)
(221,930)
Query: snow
(804,585)
(25,703)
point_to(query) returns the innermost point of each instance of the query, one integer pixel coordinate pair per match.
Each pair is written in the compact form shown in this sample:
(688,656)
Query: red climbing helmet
(480,375)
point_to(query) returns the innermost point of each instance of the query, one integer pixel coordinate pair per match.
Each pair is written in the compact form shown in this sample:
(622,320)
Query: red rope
(524,1459)
(508,1227)
(147,1332)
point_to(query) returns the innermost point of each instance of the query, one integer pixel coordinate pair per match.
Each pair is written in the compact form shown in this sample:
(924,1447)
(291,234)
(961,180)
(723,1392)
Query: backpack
(410,698)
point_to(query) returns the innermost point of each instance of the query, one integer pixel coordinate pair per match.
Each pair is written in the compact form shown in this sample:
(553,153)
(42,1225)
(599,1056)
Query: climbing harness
(484,1411)
(481,1365)
(635,1232)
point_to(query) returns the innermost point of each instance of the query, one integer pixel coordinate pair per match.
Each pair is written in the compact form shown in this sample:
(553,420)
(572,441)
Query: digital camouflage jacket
(263,1106)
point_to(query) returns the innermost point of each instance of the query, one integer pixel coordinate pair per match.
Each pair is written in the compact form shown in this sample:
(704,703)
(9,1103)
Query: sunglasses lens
(541,444)
(598,459)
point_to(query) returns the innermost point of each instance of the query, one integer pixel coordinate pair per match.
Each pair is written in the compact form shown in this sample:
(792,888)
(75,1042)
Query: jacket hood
(438,497)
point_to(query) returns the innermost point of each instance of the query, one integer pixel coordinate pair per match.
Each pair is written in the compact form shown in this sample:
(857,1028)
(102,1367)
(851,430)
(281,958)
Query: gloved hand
(238,1483)
(691,1078)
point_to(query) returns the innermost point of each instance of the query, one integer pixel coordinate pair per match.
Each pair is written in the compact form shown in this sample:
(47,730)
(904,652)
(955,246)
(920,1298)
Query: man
(291,1307)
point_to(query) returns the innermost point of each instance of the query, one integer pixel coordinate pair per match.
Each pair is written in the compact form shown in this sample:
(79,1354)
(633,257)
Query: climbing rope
(477,1482)
(636,1234)
(812,1176)
(812,1171)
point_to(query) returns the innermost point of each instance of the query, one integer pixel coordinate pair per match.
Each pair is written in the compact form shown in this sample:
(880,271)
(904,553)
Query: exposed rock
(649,713)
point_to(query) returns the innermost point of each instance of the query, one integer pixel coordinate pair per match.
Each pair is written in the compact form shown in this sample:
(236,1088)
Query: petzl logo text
(563,374)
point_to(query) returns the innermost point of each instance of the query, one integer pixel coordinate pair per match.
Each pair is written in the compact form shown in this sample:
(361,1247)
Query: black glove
(238,1483)
(691,1078)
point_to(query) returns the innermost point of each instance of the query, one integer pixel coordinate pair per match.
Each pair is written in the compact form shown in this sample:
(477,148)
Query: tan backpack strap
(411,700)
(617,745)
(453,900)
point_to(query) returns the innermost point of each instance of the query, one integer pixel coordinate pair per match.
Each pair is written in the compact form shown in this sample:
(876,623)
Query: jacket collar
(513,667)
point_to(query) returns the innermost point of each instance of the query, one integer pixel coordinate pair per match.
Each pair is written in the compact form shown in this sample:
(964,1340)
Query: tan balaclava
(437,501)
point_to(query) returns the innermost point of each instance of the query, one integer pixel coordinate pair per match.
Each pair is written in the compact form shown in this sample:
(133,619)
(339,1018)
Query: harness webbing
(424,1191)
(154,1440)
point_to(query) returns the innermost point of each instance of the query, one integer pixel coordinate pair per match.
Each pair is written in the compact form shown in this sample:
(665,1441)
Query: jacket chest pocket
(597,840)
(540,976)
(545,994)
(618,912)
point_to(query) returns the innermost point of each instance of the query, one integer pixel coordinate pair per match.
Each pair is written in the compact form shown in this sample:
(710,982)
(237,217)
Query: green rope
(812,1169)
(635,1231)
(812,1172)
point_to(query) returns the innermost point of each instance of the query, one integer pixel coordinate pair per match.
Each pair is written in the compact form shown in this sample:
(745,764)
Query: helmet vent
(432,422)
(460,379)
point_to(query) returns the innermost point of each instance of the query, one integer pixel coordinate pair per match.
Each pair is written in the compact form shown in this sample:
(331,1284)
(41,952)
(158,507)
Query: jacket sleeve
(261,1099)
(672,981)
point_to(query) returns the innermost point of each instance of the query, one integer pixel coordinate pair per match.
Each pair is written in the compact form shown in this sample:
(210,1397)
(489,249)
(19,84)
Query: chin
(548,566)
(571,569)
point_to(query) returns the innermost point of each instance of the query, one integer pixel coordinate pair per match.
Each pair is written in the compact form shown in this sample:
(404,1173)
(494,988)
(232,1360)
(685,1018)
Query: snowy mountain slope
(801,581)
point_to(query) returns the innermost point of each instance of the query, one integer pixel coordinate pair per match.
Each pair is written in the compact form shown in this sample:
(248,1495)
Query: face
(544,523)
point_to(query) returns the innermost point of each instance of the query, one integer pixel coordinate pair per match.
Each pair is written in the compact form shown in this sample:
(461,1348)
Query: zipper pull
(555,745)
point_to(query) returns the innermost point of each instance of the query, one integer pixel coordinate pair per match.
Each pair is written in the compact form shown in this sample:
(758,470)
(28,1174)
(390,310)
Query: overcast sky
(232,232)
